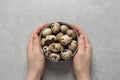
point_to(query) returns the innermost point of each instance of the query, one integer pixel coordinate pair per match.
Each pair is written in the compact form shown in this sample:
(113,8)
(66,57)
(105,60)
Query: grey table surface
(100,19)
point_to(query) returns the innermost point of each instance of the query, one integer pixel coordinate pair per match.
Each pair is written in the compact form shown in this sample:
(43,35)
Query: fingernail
(35,36)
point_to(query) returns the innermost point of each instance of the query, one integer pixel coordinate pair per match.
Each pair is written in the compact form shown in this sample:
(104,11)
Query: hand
(82,60)
(36,60)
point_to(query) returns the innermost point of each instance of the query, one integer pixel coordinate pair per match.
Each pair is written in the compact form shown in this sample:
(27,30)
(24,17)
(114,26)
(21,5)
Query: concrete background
(100,19)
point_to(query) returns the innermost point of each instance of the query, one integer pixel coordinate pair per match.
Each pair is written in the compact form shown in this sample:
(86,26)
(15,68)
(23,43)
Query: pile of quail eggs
(58,41)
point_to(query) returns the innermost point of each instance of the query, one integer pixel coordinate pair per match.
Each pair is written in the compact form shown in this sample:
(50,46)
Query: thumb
(36,44)
(81,45)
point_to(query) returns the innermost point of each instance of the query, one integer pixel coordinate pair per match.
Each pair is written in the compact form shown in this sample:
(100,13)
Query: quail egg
(58,36)
(55,47)
(73,45)
(50,39)
(71,33)
(46,31)
(54,57)
(42,41)
(46,50)
(65,39)
(64,28)
(66,54)
(55,27)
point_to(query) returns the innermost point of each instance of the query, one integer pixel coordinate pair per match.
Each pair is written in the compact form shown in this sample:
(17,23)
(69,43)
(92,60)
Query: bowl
(70,27)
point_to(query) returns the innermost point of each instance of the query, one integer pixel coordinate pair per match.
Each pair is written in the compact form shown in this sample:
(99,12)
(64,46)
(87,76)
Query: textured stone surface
(100,19)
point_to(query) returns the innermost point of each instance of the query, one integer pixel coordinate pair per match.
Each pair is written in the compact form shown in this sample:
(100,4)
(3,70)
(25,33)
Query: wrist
(83,76)
(33,75)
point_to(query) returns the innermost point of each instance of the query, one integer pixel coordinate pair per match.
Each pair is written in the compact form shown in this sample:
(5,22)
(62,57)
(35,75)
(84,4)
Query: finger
(77,28)
(88,47)
(80,31)
(81,45)
(89,51)
(36,44)
(37,31)
(30,42)
(30,45)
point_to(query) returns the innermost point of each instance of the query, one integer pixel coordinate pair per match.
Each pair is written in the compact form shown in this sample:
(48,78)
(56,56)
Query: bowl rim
(71,27)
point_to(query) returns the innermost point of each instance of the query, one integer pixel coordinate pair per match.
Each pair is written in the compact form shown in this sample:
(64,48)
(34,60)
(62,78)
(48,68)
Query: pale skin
(82,60)
(36,60)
